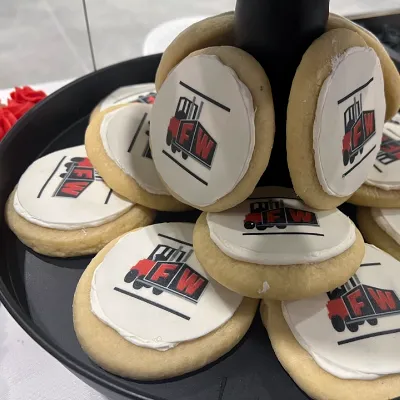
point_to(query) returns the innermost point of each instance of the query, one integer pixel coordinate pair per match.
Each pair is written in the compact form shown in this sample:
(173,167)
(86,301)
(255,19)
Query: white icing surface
(344,155)
(208,157)
(127,94)
(388,219)
(386,172)
(161,321)
(371,351)
(45,198)
(125,136)
(289,232)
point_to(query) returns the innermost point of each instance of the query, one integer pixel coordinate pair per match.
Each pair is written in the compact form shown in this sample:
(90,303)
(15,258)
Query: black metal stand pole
(277,33)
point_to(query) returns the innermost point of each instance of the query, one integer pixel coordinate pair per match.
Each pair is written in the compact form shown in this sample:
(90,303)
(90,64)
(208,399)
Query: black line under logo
(135,136)
(153,303)
(370,335)
(356,165)
(283,233)
(185,169)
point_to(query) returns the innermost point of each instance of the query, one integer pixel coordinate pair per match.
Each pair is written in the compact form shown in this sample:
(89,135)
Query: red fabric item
(27,94)
(7,120)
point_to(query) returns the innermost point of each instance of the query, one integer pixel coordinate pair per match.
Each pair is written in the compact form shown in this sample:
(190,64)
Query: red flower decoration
(7,120)
(19,109)
(27,94)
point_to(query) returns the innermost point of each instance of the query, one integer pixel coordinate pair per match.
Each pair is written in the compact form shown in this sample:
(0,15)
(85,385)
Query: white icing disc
(280,230)
(151,289)
(143,93)
(386,172)
(125,136)
(202,130)
(388,219)
(349,122)
(353,332)
(63,191)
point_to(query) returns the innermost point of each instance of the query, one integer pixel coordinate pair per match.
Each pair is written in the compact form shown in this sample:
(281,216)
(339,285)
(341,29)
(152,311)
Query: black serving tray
(38,290)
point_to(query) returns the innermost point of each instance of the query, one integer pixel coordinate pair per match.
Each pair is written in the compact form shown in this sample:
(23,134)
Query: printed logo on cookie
(62,190)
(166,270)
(353,331)
(354,303)
(359,128)
(78,176)
(148,98)
(202,127)
(274,213)
(389,152)
(142,93)
(349,122)
(152,290)
(385,174)
(188,136)
(280,230)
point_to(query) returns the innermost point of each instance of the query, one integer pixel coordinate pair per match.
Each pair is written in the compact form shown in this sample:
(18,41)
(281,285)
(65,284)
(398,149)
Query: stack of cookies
(161,300)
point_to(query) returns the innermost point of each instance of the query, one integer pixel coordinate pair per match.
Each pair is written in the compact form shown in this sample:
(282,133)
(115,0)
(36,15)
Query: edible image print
(349,122)
(354,303)
(358,323)
(166,270)
(62,190)
(125,137)
(270,213)
(282,230)
(359,128)
(153,291)
(142,94)
(386,172)
(78,176)
(188,136)
(202,130)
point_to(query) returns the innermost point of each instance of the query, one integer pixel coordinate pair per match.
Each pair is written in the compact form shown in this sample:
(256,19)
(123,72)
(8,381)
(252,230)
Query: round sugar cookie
(274,246)
(61,207)
(335,118)
(382,188)
(343,344)
(390,73)
(212,128)
(144,93)
(381,227)
(145,309)
(210,32)
(117,143)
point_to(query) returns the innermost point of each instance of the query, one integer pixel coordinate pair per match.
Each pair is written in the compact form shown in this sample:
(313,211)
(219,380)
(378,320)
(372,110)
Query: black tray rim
(11,304)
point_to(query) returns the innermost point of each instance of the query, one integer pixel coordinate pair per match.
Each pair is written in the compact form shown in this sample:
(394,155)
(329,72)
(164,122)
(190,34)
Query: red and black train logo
(359,128)
(355,303)
(270,213)
(389,152)
(79,175)
(187,135)
(148,98)
(166,270)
